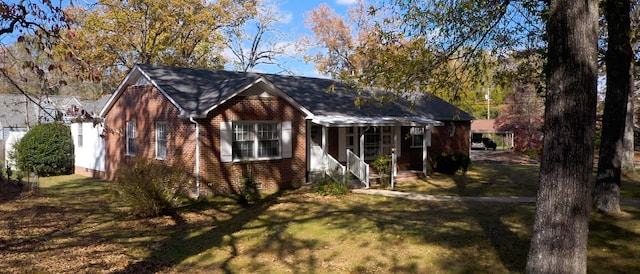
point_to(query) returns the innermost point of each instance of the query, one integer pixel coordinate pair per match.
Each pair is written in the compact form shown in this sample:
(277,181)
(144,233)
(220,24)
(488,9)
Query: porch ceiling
(349,121)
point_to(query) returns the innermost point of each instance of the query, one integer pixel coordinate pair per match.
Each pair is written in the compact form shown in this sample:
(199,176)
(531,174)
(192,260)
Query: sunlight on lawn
(480,180)
(297,231)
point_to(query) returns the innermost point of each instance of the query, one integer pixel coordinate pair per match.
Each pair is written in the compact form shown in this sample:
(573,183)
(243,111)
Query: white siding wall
(14,138)
(91,154)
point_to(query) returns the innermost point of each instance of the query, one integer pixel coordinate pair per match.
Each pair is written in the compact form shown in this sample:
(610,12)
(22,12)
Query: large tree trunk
(619,82)
(628,165)
(559,241)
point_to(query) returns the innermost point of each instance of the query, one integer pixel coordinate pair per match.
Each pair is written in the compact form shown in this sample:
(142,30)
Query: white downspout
(197,155)
(426,132)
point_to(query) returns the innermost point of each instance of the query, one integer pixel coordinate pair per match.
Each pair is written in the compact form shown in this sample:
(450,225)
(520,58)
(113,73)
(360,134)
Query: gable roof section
(484,125)
(327,97)
(16,108)
(13,112)
(94,106)
(198,91)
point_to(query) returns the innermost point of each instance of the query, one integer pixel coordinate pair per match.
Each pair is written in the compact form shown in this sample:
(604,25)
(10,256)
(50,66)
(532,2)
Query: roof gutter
(197,139)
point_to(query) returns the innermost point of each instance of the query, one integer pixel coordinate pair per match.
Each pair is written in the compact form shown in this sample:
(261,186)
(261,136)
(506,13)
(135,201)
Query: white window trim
(80,136)
(128,150)
(256,141)
(161,157)
(226,141)
(413,134)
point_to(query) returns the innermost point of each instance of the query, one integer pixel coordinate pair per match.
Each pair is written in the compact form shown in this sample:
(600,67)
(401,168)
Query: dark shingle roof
(94,106)
(197,90)
(12,111)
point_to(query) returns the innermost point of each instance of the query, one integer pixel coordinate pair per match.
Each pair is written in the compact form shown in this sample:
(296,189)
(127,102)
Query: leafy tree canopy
(112,36)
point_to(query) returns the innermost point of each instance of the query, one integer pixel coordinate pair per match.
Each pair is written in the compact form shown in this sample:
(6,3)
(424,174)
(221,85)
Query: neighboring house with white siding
(18,114)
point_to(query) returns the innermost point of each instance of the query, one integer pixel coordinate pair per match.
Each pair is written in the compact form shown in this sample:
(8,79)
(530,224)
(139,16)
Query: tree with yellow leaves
(112,36)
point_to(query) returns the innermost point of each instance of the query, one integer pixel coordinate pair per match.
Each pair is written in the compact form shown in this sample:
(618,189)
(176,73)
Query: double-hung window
(161,140)
(80,137)
(268,140)
(256,140)
(243,141)
(131,138)
(417,136)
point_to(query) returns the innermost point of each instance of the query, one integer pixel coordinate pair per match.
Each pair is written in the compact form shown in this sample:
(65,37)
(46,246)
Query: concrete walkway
(425,197)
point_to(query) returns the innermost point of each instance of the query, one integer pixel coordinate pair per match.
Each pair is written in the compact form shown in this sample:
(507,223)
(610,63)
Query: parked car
(483,143)
(489,144)
(478,145)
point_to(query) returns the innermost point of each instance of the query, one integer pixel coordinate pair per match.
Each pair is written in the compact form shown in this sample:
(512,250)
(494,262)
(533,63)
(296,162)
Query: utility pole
(486,97)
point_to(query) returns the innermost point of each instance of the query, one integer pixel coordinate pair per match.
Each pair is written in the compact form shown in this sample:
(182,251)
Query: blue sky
(293,12)
(292,24)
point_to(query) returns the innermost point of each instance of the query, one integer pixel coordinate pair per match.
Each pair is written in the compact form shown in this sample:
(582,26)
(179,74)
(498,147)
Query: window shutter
(226,142)
(427,137)
(287,151)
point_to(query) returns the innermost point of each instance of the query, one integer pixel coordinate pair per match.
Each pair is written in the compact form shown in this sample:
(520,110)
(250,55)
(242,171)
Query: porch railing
(334,169)
(358,167)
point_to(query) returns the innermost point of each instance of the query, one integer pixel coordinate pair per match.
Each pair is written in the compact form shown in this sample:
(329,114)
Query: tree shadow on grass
(183,246)
(511,248)
(9,191)
(612,246)
(268,225)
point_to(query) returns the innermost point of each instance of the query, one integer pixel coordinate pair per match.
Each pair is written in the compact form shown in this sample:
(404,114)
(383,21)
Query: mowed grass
(73,225)
(494,180)
(480,180)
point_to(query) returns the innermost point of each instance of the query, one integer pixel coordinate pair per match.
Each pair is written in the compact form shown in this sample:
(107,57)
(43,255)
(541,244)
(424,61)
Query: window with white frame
(255,140)
(417,136)
(371,143)
(131,138)
(268,140)
(378,141)
(161,140)
(80,137)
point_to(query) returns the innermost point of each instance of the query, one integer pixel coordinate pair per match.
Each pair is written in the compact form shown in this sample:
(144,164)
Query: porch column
(361,134)
(325,142)
(425,156)
(513,144)
(307,148)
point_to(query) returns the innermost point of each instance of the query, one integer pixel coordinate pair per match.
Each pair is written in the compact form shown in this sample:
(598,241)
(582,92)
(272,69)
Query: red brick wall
(146,105)
(441,141)
(283,173)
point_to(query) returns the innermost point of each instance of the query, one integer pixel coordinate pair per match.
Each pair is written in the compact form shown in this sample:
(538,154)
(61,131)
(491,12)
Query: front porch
(401,175)
(339,146)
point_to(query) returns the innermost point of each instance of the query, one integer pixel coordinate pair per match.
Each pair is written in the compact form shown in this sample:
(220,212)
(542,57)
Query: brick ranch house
(280,129)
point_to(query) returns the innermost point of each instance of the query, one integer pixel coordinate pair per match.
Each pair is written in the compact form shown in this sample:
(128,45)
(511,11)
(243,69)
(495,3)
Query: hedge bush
(329,187)
(47,150)
(150,187)
(450,163)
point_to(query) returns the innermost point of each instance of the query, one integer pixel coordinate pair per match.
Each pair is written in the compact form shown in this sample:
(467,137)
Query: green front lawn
(73,225)
(493,180)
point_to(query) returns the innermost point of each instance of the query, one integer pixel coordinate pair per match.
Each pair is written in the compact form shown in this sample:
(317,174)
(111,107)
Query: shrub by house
(47,150)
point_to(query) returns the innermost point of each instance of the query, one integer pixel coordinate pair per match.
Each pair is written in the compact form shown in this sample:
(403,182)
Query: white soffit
(345,121)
